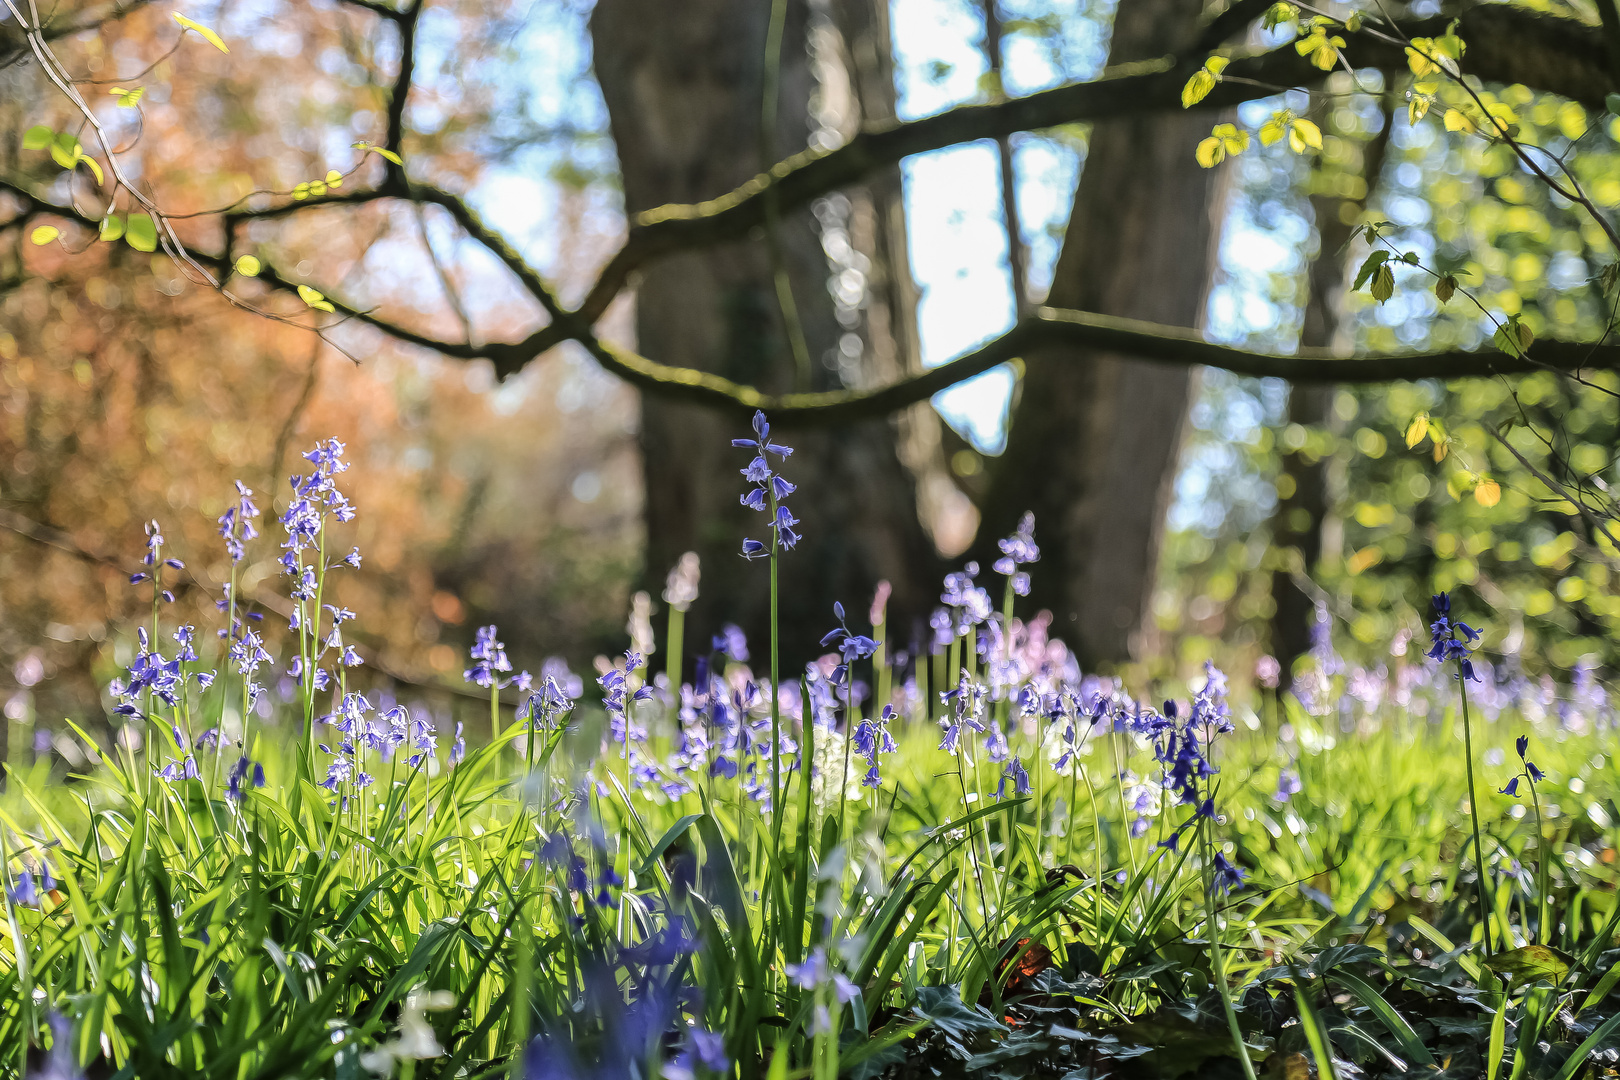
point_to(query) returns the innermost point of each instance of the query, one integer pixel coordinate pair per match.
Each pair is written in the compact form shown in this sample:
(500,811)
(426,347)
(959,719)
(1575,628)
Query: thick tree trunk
(1092,447)
(1303,520)
(683,85)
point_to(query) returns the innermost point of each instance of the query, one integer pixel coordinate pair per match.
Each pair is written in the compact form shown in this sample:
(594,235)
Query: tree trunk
(1303,517)
(683,85)
(1093,440)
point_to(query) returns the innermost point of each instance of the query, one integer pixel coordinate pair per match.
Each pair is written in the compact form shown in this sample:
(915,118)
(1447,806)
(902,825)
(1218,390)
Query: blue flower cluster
(1447,645)
(769,489)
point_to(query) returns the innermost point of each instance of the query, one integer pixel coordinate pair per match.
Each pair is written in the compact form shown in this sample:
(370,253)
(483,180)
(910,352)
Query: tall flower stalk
(769,489)
(1448,647)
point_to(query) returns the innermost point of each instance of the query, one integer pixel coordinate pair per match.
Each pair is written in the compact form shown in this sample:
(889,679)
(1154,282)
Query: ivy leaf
(1487,492)
(1418,428)
(112,228)
(1373,261)
(1530,963)
(140,232)
(38,137)
(1196,90)
(314,299)
(127,99)
(248,266)
(207,34)
(1225,140)
(44,235)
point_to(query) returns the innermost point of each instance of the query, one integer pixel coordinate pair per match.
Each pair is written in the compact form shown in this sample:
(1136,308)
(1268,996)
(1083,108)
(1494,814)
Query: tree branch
(1506,45)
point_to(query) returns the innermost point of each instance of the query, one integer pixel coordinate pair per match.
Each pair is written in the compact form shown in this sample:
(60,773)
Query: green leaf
(127,99)
(65,150)
(1513,337)
(1530,964)
(1397,1025)
(38,137)
(248,266)
(1583,1053)
(314,299)
(44,234)
(207,34)
(140,232)
(1383,283)
(95,167)
(1373,261)
(112,227)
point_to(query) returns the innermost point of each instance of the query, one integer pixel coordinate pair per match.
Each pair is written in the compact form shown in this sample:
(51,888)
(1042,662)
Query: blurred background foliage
(127,394)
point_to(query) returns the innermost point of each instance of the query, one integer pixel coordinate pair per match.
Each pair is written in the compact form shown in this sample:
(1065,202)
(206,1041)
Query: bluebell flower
(1017,550)
(703,1048)
(769,490)
(489,659)
(236,524)
(969,604)
(1018,775)
(1447,645)
(851,646)
(1288,785)
(26,892)
(1227,875)
(967,710)
(458,746)
(872,737)
(244,773)
(732,642)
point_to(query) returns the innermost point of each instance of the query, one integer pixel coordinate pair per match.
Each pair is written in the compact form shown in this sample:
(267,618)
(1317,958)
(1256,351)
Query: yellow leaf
(1418,57)
(112,228)
(44,234)
(127,99)
(95,167)
(334,178)
(1440,448)
(1418,428)
(1456,120)
(207,34)
(314,299)
(1365,559)
(1488,493)
(248,266)
(1210,153)
(1225,140)
(1304,135)
(1196,90)
(1274,128)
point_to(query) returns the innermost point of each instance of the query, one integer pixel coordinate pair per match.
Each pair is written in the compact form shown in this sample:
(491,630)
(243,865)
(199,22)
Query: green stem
(1473,815)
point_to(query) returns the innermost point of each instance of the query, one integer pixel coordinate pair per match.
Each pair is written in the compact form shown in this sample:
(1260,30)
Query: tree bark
(1302,520)
(683,85)
(1092,448)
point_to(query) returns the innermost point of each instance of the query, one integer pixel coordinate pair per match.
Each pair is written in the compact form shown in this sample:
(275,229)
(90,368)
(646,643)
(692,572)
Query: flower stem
(1473,815)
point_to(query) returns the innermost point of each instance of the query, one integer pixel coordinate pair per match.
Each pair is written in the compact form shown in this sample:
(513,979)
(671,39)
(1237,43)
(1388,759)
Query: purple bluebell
(1288,785)
(1017,550)
(1228,876)
(1015,772)
(969,605)
(236,524)
(489,659)
(244,774)
(769,490)
(1447,645)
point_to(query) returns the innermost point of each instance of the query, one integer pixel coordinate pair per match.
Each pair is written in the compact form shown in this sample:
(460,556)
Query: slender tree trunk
(1303,520)
(1093,440)
(683,85)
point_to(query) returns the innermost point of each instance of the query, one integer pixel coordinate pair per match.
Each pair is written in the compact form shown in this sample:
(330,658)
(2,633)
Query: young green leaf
(1383,283)
(140,232)
(112,227)
(1322,49)
(65,150)
(1202,82)
(1225,140)
(127,99)
(1373,261)
(44,234)
(314,299)
(38,137)
(207,34)
(1418,428)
